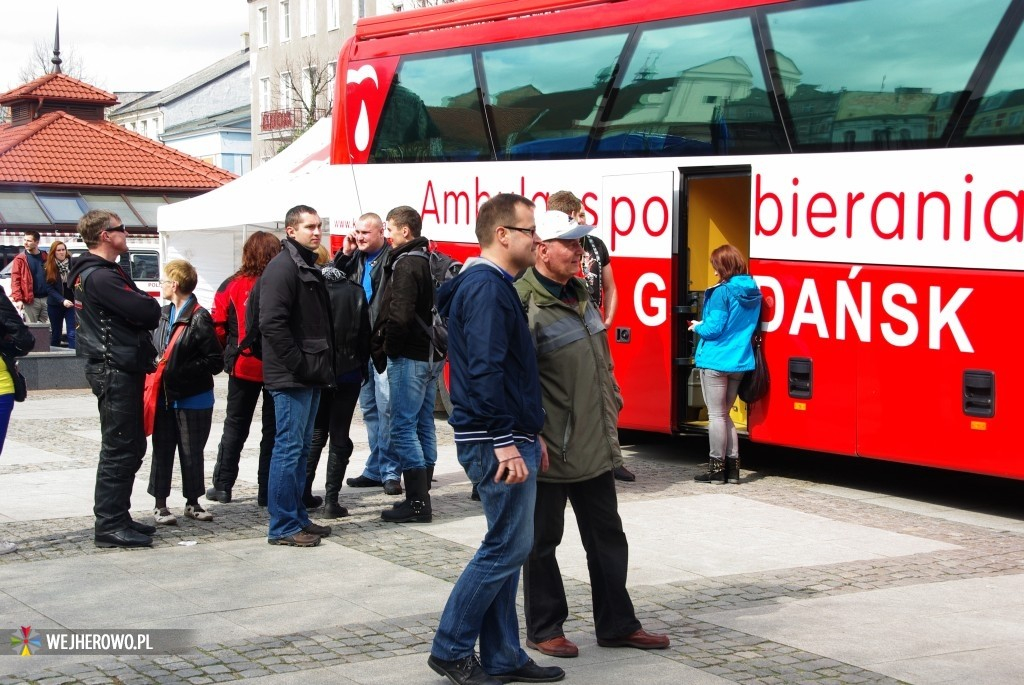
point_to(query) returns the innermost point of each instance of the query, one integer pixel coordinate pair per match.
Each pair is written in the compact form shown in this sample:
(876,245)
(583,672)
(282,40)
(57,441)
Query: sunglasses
(115,229)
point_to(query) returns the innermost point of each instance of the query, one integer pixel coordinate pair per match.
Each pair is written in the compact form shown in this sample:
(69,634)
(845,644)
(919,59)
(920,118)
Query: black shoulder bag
(754,385)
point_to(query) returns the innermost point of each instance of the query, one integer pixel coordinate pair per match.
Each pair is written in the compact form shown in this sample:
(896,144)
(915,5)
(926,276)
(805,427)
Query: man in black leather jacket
(298,361)
(115,321)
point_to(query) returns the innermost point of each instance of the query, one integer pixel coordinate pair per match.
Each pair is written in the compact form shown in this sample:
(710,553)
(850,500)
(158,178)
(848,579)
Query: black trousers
(184,430)
(597,516)
(333,421)
(241,405)
(123,443)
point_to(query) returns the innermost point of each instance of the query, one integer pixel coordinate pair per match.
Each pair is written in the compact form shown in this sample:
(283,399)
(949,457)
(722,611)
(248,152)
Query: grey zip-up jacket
(580,396)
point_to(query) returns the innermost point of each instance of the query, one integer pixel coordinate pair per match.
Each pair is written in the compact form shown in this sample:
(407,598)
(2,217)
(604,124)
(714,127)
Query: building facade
(206,115)
(294,56)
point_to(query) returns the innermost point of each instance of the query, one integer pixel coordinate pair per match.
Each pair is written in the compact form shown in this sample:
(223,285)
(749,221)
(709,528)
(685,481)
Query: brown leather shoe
(561,647)
(300,539)
(641,639)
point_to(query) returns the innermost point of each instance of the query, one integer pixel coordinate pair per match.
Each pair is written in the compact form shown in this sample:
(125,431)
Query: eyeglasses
(115,229)
(528,231)
(167,282)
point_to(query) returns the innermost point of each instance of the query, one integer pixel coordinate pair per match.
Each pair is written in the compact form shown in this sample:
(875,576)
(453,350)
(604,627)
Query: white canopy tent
(209,230)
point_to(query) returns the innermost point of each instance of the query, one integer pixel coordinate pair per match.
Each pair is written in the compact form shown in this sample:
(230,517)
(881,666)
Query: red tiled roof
(59,87)
(59,149)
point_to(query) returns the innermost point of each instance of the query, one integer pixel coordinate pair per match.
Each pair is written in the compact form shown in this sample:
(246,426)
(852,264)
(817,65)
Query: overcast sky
(123,45)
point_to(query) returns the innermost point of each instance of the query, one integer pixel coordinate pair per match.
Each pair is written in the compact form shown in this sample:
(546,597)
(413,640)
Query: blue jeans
(413,386)
(6,407)
(373,400)
(720,389)
(61,316)
(294,409)
(483,601)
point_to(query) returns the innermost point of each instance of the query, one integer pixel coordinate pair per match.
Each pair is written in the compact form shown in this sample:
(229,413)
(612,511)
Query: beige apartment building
(294,46)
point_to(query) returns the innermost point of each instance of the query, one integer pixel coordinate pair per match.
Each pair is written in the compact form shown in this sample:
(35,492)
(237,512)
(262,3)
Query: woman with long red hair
(245,373)
(60,296)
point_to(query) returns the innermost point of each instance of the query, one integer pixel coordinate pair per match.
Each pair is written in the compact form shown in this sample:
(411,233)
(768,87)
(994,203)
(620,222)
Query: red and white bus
(865,154)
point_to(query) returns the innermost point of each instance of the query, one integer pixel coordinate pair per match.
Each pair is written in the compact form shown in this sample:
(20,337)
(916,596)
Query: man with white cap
(580,430)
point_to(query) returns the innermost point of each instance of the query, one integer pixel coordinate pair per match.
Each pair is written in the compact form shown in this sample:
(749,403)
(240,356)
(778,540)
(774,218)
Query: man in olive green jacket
(581,402)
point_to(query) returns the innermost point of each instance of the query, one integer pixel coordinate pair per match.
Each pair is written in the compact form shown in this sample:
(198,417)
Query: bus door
(714,210)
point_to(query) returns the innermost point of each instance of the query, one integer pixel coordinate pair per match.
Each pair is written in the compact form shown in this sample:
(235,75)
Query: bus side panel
(911,394)
(800,305)
(641,342)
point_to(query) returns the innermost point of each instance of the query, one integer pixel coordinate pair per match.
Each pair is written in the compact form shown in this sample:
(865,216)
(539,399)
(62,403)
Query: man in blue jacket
(497,417)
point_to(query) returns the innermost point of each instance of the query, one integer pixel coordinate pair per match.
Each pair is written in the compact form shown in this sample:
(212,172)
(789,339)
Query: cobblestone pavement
(702,611)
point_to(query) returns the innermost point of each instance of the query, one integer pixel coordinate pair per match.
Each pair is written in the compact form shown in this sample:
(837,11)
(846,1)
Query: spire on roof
(56,47)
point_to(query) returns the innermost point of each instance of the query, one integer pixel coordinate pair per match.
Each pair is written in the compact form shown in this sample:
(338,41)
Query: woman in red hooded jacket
(245,372)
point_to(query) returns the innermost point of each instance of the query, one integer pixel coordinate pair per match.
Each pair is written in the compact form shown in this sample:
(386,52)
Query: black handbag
(754,385)
(20,387)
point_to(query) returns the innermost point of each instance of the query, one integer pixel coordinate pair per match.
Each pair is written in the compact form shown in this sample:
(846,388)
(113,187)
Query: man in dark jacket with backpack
(294,319)
(402,342)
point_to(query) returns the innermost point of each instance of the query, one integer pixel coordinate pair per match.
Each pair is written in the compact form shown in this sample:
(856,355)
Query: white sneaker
(7,547)
(194,511)
(164,517)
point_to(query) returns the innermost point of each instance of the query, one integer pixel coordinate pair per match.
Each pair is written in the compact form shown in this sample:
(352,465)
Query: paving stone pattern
(674,608)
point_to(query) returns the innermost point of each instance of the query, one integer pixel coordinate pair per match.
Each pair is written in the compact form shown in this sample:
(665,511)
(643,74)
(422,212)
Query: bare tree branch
(38,64)
(311,86)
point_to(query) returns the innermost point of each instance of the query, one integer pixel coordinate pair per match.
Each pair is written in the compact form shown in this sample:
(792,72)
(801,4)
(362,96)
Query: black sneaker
(312,502)
(465,671)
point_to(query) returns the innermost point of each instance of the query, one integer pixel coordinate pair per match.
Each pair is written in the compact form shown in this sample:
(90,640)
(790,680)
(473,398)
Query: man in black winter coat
(401,340)
(115,324)
(297,362)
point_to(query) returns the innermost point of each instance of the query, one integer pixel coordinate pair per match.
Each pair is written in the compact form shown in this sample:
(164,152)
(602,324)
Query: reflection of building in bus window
(406,129)
(545,93)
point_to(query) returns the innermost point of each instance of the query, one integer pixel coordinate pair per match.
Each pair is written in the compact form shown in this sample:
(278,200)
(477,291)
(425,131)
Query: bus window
(544,93)
(433,113)
(888,72)
(1000,116)
(145,266)
(692,89)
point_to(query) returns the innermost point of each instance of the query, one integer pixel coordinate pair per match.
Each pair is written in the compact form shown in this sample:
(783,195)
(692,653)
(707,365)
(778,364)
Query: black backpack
(442,268)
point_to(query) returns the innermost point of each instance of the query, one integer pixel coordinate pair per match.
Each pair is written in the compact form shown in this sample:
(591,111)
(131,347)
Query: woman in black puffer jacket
(351,326)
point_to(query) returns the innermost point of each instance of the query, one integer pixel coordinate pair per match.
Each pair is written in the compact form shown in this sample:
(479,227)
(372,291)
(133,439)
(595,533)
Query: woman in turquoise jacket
(732,309)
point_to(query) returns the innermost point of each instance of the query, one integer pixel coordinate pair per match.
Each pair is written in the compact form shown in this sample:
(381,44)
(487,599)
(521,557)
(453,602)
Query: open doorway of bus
(715,210)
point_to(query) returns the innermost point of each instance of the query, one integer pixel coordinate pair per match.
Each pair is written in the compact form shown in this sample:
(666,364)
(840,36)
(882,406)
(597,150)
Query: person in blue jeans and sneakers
(361,258)
(497,417)
(401,344)
(295,323)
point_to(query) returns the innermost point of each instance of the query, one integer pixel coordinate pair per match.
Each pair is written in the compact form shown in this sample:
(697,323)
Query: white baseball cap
(552,225)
